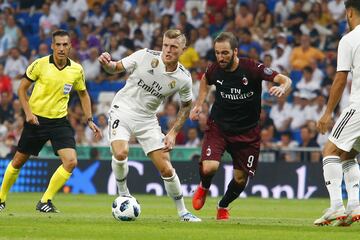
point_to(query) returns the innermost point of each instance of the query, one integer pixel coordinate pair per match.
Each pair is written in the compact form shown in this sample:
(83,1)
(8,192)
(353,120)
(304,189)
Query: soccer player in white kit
(154,76)
(344,141)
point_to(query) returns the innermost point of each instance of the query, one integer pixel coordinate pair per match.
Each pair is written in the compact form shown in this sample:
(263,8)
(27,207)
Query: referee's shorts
(58,131)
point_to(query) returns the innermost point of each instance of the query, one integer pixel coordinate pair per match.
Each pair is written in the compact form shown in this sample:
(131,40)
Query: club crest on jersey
(208,151)
(154,63)
(268,71)
(172,84)
(245,81)
(67,88)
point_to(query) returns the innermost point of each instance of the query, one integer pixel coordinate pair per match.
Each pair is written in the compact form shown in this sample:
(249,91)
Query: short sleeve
(344,56)
(186,92)
(209,72)
(258,69)
(79,84)
(33,71)
(130,62)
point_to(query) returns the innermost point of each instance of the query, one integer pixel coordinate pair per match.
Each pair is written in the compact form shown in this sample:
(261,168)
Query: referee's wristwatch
(90,119)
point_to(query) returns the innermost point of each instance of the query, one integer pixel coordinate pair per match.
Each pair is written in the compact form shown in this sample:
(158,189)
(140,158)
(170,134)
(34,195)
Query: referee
(54,77)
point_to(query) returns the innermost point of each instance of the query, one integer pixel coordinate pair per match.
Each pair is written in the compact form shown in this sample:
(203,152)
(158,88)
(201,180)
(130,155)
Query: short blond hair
(176,33)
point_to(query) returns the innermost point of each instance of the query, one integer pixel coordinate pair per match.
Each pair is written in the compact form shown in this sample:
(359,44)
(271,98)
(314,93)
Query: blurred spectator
(171,109)
(5,42)
(204,42)
(6,109)
(195,18)
(190,58)
(83,52)
(286,141)
(246,43)
(218,25)
(307,140)
(92,66)
(299,110)
(322,14)
(80,137)
(337,9)
(24,47)
(5,82)
(283,8)
(316,32)
(58,10)
(12,31)
(8,147)
(15,67)
(102,123)
(280,114)
(301,56)
(318,108)
(47,21)
(307,82)
(296,18)
(43,51)
(96,17)
(167,8)
(263,19)
(265,122)
(185,25)
(192,138)
(89,36)
(76,9)
(281,60)
(244,18)
(139,39)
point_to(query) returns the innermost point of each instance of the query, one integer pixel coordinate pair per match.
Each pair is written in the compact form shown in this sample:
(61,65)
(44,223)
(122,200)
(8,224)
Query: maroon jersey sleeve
(258,69)
(210,72)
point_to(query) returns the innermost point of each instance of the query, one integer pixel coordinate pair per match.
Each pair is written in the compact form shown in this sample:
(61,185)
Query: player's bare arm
(284,85)
(109,65)
(203,92)
(336,92)
(86,105)
(24,100)
(182,115)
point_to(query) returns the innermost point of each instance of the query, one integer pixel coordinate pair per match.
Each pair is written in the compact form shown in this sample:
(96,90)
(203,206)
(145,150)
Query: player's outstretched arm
(109,65)
(86,105)
(284,85)
(22,93)
(336,92)
(182,115)
(203,92)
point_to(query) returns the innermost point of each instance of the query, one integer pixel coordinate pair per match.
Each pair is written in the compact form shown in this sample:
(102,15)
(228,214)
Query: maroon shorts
(244,148)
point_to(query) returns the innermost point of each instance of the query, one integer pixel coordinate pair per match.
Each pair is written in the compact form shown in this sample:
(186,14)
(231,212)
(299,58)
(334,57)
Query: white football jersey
(149,84)
(349,60)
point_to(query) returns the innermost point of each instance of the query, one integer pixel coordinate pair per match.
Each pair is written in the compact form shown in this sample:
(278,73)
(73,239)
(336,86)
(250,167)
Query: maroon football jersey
(238,94)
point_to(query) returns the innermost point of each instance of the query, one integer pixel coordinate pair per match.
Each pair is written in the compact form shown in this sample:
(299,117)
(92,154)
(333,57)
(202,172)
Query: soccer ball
(126,208)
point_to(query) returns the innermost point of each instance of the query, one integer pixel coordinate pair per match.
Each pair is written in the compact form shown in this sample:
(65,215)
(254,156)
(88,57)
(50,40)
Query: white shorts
(146,130)
(346,132)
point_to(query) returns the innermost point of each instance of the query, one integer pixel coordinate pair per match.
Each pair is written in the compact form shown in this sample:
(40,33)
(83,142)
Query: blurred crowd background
(297,38)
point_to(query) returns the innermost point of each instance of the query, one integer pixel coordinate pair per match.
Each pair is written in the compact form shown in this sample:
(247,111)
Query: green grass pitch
(89,217)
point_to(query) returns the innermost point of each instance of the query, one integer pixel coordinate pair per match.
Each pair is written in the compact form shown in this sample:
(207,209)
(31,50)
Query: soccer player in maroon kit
(233,121)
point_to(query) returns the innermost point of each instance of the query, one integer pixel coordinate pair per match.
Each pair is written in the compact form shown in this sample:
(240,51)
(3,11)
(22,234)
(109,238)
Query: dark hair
(353,4)
(229,37)
(60,32)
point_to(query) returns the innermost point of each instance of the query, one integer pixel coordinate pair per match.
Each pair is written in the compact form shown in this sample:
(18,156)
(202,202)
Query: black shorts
(244,148)
(58,131)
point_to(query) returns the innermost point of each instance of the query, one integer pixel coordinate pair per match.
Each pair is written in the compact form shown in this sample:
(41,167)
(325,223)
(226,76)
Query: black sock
(205,179)
(233,192)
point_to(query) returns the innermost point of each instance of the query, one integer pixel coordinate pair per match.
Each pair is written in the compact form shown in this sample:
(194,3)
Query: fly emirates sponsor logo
(154,89)
(236,94)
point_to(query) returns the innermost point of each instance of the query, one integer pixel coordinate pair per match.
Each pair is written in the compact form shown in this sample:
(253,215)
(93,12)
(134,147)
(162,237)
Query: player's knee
(166,171)
(209,169)
(19,160)
(240,180)
(121,155)
(70,163)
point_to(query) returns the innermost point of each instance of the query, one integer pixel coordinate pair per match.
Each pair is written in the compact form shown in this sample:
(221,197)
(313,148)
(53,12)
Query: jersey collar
(51,60)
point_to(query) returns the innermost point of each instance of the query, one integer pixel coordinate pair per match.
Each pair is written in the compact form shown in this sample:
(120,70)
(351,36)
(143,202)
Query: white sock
(120,169)
(352,178)
(333,177)
(173,189)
